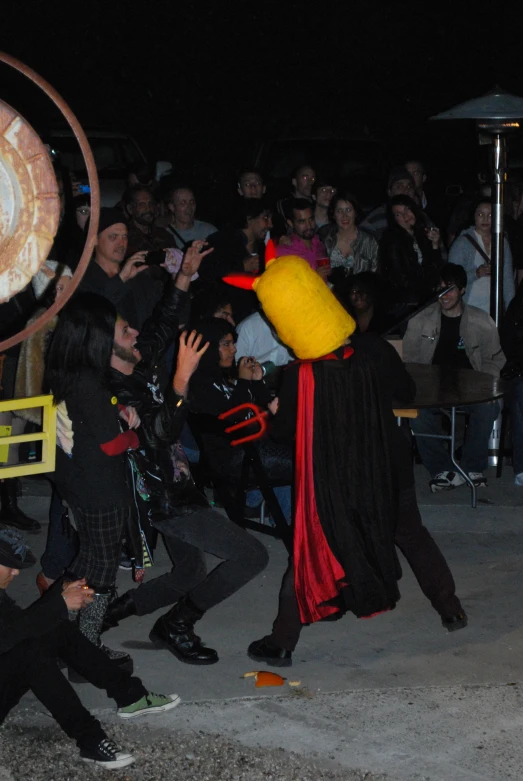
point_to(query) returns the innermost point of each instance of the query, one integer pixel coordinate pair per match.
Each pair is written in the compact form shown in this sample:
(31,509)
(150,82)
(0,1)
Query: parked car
(113,152)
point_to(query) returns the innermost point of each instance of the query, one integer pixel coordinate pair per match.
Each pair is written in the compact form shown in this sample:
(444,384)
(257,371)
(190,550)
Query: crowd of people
(175,323)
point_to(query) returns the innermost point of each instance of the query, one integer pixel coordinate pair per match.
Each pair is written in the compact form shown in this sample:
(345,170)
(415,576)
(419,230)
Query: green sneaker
(150,703)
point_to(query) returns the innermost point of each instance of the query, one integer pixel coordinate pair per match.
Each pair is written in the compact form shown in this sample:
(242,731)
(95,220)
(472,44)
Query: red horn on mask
(244,281)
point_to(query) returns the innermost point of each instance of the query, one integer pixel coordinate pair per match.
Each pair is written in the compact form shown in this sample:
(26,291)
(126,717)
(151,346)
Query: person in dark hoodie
(33,640)
(166,497)
(219,385)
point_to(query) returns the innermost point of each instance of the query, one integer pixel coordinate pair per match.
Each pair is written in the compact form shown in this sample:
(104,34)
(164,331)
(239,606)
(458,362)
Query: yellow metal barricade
(47,437)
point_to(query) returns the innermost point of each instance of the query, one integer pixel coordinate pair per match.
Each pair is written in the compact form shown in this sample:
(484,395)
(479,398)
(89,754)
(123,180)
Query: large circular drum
(29,203)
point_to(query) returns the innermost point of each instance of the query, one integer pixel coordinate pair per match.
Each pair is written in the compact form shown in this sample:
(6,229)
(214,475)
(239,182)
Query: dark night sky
(189,81)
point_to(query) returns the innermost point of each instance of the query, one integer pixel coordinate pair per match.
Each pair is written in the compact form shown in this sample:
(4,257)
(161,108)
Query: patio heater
(497,113)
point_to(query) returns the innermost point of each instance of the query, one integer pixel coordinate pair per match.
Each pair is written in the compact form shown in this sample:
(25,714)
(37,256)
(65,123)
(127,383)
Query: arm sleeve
(459,253)
(509,288)
(125,440)
(38,619)
(283,424)
(160,329)
(101,414)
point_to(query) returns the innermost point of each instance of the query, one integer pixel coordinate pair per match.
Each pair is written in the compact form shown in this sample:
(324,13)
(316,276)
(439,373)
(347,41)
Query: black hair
(322,182)
(208,300)
(250,170)
(143,172)
(249,209)
(477,202)
(350,198)
(300,168)
(178,186)
(83,339)
(367,282)
(131,192)
(402,200)
(453,274)
(213,330)
(296,204)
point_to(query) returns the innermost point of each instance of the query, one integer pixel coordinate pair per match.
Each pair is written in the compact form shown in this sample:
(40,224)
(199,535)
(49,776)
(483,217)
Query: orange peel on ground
(265,678)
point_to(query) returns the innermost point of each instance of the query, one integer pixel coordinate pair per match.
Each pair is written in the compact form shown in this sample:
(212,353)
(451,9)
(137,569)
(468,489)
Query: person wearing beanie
(126,283)
(353,484)
(32,641)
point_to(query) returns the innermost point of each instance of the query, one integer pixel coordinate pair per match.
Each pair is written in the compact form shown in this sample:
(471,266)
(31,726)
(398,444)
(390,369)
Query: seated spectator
(302,240)
(361,295)
(303,180)
(454,335)
(32,641)
(472,250)
(511,334)
(181,205)
(142,209)
(400,183)
(257,337)
(214,390)
(323,192)
(108,275)
(241,248)
(348,245)
(409,256)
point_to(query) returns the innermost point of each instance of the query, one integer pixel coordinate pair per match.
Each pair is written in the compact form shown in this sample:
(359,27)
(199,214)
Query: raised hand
(189,353)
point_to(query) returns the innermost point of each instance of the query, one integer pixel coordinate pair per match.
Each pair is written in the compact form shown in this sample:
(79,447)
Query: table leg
(452,457)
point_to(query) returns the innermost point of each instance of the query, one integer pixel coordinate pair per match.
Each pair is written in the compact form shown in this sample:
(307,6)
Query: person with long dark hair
(409,255)
(91,471)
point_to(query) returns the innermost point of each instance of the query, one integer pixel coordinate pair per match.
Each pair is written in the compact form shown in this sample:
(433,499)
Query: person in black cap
(111,276)
(32,641)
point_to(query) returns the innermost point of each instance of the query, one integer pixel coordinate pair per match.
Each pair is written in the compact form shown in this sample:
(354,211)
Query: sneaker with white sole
(150,703)
(446,481)
(479,479)
(107,754)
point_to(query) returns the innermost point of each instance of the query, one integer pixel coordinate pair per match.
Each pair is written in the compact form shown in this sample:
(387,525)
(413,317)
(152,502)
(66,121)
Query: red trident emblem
(260,416)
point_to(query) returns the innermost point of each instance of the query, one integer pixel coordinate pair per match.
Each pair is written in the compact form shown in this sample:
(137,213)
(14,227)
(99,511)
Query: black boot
(119,608)
(175,632)
(265,650)
(10,513)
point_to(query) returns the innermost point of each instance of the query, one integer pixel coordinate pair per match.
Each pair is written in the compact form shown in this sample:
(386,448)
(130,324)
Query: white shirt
(255,338)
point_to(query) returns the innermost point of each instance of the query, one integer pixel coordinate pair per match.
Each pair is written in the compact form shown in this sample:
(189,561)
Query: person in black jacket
(33,640)
(165,494)
(409,256)
(511,337)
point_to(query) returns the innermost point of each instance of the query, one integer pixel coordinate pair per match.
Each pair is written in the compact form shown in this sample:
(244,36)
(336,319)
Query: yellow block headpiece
(305,313)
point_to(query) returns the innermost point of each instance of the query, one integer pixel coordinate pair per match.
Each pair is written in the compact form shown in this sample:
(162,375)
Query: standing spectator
(348,245)
(400,183)
(322,194)
(303,180)
(142,207)
(185,229)
(302,240)
(472,251)
(417,170)
(409,256)
(453,334)
(91,465)
(114,278)
(251,184)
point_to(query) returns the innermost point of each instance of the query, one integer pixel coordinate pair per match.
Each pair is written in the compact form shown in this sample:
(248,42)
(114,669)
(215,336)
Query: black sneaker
(107,754)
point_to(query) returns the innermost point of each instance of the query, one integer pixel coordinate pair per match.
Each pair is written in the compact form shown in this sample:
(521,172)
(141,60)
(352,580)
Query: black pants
(32,665)
(187,538)
(423,556)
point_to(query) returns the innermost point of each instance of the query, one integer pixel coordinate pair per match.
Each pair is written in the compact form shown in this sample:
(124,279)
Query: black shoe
(265,651)
(107,754)
(175,632)
(120,608)
(10,513)
(454,623)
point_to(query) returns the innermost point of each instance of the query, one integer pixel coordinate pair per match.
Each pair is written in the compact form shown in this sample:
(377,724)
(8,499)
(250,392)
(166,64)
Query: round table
(439,386)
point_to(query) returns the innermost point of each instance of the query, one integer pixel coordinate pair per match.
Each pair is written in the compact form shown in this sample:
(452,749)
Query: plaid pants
(100,536)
